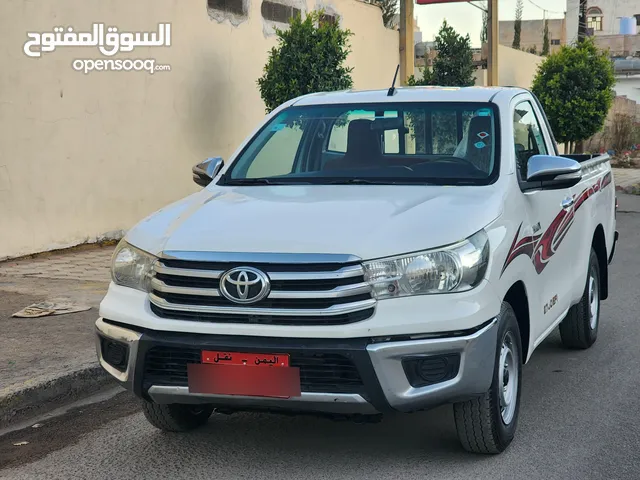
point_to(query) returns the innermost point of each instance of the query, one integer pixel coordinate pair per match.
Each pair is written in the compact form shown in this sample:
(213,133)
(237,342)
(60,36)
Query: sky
(466,18)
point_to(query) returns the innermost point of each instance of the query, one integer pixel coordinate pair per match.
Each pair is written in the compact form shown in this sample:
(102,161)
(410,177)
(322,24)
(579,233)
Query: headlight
(455,268)
(131,267)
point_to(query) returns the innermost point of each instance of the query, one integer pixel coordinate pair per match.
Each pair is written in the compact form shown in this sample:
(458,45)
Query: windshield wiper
(247,181)
(371,181)
(262,181)
(360,181)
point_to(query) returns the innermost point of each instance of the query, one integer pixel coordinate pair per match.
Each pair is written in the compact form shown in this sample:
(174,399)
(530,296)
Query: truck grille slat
(300,293)
(326,373)
(267,303)
(263,319)
(340,291)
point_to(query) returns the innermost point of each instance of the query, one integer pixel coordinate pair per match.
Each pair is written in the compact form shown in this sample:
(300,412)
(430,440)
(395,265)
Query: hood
(370,221)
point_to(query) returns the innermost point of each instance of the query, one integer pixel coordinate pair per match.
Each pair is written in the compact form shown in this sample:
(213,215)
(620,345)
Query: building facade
(85,156)
(603,16)
(532,34)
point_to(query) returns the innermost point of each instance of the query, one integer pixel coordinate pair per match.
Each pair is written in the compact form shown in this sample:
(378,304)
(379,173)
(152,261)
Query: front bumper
(342,376)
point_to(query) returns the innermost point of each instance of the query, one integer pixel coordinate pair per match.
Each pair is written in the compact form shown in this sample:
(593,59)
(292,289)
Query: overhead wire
(541,8)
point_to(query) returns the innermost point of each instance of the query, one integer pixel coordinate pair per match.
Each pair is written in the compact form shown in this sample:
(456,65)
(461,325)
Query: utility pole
(582,21)
(493,41)
(407,51)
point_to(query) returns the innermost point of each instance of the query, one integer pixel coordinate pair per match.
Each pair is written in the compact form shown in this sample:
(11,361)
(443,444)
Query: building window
(277,12)
(327,19)
(594,19)
(237,7)
(637,15)
(555,42)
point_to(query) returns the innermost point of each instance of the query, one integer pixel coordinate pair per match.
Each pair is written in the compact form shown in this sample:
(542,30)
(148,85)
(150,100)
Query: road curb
(51,394)
(630,189)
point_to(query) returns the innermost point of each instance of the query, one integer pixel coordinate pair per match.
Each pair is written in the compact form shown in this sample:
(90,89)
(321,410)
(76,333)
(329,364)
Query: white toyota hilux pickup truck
(366,253)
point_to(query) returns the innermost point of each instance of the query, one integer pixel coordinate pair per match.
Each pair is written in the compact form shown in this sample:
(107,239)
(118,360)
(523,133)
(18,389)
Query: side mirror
(553,173)
(205,172)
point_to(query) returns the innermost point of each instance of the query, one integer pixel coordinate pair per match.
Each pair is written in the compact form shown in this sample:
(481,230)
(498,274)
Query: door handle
(567,202)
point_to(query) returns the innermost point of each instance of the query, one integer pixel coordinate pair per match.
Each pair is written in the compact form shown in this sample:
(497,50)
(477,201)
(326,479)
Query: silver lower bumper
(477,358)
(124,335)
(320,402)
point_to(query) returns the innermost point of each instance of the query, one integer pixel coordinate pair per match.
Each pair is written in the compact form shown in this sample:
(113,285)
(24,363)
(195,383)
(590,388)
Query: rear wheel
(176,417)
(487,424)
(580,327)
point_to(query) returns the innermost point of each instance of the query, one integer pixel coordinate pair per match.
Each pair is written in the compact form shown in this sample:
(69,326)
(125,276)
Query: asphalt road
(579,420)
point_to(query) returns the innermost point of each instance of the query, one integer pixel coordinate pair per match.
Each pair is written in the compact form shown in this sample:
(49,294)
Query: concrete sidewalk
(49,360)
(627,180)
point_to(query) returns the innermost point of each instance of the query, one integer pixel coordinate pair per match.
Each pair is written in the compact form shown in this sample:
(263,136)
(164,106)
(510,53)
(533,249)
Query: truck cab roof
(409,94)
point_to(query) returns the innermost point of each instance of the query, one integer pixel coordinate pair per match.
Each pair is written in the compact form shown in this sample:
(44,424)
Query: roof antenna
(392,90)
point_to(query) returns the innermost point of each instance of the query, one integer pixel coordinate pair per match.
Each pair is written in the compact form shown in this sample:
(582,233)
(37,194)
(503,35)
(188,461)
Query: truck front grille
(319,372)
(328,293)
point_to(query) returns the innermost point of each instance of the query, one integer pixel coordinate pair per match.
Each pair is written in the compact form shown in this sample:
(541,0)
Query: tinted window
(277,154)
(528,138)
(407,142)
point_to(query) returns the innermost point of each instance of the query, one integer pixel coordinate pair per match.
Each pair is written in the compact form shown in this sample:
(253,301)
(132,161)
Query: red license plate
(246,359)
(233,373)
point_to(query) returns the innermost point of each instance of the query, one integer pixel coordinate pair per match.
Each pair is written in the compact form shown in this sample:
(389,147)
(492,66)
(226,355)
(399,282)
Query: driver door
(549,217)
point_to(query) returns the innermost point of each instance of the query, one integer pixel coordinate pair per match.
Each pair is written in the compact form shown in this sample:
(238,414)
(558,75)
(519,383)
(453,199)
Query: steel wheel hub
(594,294)
(508,378)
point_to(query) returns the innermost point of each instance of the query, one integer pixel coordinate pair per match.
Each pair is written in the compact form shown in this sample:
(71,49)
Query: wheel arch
(599,245)
(517,297)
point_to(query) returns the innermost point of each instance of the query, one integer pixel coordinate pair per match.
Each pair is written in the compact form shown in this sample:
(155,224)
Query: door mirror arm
(547,172)
(206,171)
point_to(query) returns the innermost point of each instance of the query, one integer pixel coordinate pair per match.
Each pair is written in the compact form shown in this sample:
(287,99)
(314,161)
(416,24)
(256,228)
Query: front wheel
(487,424)
(176,417)
(579,329)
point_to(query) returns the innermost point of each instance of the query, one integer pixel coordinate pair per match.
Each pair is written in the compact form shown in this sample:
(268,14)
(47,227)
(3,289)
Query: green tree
(426,79)
(454,64)
(575,87)
(545,39)
(309,58)
(533,50)
(517,25)
(484,35)
(389,9)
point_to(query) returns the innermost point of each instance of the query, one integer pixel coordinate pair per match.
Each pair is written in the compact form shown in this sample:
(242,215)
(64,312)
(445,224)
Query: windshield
(425,143)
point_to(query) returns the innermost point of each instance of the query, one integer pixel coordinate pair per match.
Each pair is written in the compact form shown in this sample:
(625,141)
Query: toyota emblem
(244,285)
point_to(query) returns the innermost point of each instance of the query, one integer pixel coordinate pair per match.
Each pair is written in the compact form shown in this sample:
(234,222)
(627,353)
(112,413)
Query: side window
(391,141)
(279,152)
(527,136)
(391,138)
(338,138)
(444,125)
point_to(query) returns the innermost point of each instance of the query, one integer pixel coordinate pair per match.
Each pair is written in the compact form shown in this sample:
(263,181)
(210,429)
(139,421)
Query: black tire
(480,424)
(176,417)
(577,329)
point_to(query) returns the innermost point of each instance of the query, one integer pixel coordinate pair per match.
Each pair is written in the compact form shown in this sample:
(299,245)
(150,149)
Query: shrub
(309,58)
(575,87)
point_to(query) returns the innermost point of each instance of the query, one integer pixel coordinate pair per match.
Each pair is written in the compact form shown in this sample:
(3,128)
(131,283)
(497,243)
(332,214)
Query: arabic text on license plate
(248,359)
